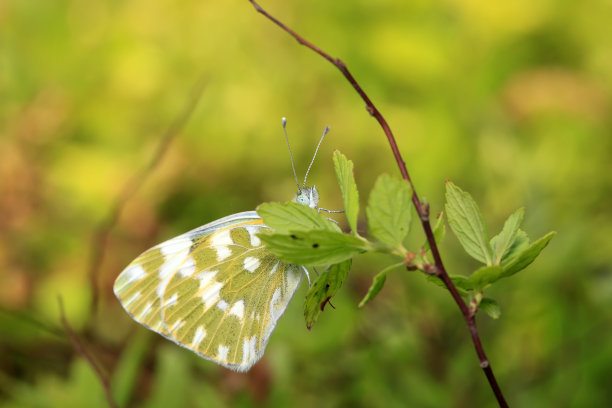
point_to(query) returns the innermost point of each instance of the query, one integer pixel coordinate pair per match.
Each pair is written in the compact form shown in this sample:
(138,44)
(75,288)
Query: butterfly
(215,290)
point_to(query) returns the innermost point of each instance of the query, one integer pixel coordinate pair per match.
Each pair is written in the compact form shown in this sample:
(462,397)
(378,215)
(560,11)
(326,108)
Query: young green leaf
(490,307)
(439,230)
(466,221)
(350,195)
(322,290)
(502,242)
(523,259)
(312,248)
(389,210)
(377,284)
(521,243)
(285,217)
(484,276)
(462,283)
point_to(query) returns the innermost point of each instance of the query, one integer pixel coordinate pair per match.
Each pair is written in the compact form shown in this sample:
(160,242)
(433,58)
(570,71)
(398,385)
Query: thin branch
(99,241)
(78,346)
(422,208)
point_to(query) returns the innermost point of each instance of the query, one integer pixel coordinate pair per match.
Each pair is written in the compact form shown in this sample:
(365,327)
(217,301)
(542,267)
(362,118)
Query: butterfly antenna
(315,154)
(291,155)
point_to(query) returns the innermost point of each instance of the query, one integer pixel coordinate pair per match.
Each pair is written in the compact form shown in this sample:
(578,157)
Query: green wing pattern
(215,290)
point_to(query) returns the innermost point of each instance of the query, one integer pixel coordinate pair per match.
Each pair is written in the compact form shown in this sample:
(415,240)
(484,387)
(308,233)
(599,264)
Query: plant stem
(80,348)
(100,238)
(421,208)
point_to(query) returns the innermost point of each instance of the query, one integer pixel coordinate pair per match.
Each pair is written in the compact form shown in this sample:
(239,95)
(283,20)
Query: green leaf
(285,217)
(490,307)
(127,371)
(377,284)
(466,221)
(171,375)
(502,242)
(523,259)
(462,283)
(485,276)
(389,210)
(439,231)
(350,195)
(323,289)
(311,248)
(521,243)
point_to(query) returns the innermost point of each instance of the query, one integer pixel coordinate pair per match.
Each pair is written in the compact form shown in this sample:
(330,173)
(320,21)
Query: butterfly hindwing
(215,290)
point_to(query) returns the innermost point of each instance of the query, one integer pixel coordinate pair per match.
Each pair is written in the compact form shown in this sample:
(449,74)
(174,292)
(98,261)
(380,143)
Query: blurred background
(509,100)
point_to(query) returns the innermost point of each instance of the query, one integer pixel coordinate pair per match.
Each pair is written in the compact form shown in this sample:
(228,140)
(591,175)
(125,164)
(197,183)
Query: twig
(421,207)
(99,241)
(78,346)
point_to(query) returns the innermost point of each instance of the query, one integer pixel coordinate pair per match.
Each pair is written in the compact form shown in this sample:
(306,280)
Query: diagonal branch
(79,348)
(421,207)
(99,240)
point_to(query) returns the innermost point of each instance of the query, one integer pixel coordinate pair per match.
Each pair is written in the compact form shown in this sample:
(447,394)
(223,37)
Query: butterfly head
(308,196)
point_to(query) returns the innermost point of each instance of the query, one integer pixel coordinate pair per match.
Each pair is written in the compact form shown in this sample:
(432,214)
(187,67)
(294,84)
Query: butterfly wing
(215,290)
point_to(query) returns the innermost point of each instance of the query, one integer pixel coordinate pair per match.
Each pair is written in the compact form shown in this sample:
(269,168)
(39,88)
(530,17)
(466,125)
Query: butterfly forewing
(215,290)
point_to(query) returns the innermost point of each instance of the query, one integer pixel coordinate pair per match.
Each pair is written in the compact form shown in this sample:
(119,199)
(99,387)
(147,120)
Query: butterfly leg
(330,212)
(308,275)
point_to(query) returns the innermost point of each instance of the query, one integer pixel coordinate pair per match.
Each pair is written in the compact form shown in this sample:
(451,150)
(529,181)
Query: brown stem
(421,207)
(99,240)
(78,346)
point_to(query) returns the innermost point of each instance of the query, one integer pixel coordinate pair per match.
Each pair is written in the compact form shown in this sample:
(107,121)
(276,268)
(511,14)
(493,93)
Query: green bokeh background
(509,100)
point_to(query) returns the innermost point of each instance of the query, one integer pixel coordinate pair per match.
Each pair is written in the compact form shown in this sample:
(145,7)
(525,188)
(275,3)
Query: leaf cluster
(502,256)
(304,236)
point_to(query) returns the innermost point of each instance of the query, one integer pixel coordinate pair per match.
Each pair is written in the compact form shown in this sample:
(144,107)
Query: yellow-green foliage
(510,101)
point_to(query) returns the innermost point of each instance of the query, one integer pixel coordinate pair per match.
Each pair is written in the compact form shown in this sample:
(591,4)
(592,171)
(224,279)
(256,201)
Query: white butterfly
(215,290)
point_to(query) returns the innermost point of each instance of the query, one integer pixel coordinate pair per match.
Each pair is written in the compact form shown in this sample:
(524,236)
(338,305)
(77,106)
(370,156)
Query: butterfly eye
(302,199)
